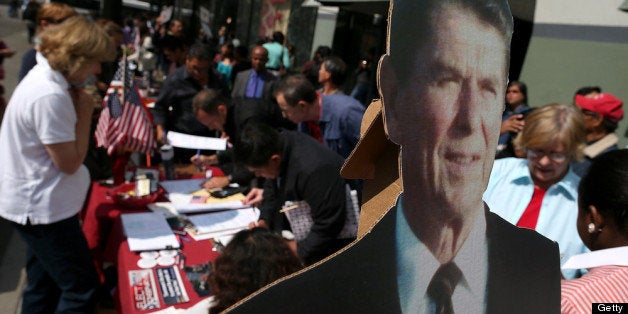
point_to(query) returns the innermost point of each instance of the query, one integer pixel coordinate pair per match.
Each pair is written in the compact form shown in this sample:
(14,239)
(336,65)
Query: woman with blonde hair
(540,192)
(43,182)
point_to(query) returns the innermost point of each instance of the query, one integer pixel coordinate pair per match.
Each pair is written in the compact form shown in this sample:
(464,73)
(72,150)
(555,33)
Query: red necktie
(315,130)
(531,215)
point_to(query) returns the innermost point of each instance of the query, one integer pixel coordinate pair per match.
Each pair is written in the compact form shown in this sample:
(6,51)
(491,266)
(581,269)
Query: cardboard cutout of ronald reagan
(428,243)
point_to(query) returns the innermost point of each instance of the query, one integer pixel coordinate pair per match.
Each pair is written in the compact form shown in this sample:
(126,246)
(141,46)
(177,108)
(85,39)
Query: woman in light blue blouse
(540,192)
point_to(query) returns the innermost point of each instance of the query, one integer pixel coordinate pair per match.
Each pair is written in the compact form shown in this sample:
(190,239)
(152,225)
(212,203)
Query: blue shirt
(254,86)
(341,117)
(277,54)
(225,70)
(510,190)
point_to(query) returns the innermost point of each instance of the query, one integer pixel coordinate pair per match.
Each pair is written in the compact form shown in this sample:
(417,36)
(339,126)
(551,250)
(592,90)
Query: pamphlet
(171,285)
(142,284)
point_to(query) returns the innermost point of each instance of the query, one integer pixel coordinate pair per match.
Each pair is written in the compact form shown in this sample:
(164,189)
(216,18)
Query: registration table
(105,237)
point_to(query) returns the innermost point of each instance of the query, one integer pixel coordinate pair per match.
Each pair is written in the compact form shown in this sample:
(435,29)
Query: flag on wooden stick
(124,120)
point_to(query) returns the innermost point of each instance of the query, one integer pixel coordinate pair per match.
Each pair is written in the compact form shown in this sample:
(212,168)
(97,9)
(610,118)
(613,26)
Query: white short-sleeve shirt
(39,113)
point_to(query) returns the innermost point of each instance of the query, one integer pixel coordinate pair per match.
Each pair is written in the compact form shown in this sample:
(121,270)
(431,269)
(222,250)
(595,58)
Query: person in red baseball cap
(602,113)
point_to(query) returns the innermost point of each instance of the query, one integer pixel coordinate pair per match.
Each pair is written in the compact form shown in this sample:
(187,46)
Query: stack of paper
(182,194)
(222,223)
(169,209)
(183,208)
(148,231)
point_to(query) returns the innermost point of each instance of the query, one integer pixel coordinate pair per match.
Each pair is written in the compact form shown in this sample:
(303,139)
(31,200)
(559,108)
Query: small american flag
(123,119)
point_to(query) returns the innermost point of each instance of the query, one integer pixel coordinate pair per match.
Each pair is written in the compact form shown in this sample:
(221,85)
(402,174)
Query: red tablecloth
(102,227)
(195,252)
(99,215)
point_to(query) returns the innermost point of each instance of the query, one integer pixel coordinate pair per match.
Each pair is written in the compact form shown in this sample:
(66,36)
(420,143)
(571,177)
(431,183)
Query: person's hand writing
(159,134)
(204,160)
(215,183)
(292,244)
(513,124)
(254,198)
(260,223)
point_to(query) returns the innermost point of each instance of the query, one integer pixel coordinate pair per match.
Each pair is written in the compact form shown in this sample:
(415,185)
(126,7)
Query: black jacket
(177,92)
(309,172)
(523,276)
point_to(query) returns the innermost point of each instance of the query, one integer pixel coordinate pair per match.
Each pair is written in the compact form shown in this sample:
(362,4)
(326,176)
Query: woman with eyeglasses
(540,192)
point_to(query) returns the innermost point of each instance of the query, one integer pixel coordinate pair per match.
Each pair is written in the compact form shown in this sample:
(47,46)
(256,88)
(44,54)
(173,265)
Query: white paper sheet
(164,208)
(234,220)
(148,231)
(195,142)
(182,186)
(212,235)
(169,209)
(183,208)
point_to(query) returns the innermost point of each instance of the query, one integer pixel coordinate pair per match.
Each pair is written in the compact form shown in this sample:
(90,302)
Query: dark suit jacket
(309,172)
(266,103)
(523,276)
(178,91)
(240,116)
(239,87)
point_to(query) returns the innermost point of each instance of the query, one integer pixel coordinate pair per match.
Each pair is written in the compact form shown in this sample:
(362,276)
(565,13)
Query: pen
(199,164)
(181,260)
(285,209)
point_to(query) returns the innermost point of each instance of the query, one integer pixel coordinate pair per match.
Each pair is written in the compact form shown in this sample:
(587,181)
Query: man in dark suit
(297,169)
(438,249)
(255,87)
(214,111)
(173,108)
(257,82)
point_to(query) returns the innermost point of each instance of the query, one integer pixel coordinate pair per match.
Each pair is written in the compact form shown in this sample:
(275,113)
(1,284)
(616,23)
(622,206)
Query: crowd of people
(558,169)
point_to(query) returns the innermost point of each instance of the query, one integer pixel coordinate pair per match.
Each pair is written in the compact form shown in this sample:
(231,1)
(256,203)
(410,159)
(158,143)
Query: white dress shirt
(39,113)
(416,266)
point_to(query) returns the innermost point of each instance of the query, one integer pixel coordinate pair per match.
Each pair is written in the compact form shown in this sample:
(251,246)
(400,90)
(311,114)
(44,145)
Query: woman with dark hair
(226,62)
(310,68)
(253,259)
(512,118)
(603,227)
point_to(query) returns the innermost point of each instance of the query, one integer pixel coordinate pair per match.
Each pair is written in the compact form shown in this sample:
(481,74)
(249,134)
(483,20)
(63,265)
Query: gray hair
(411,24)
